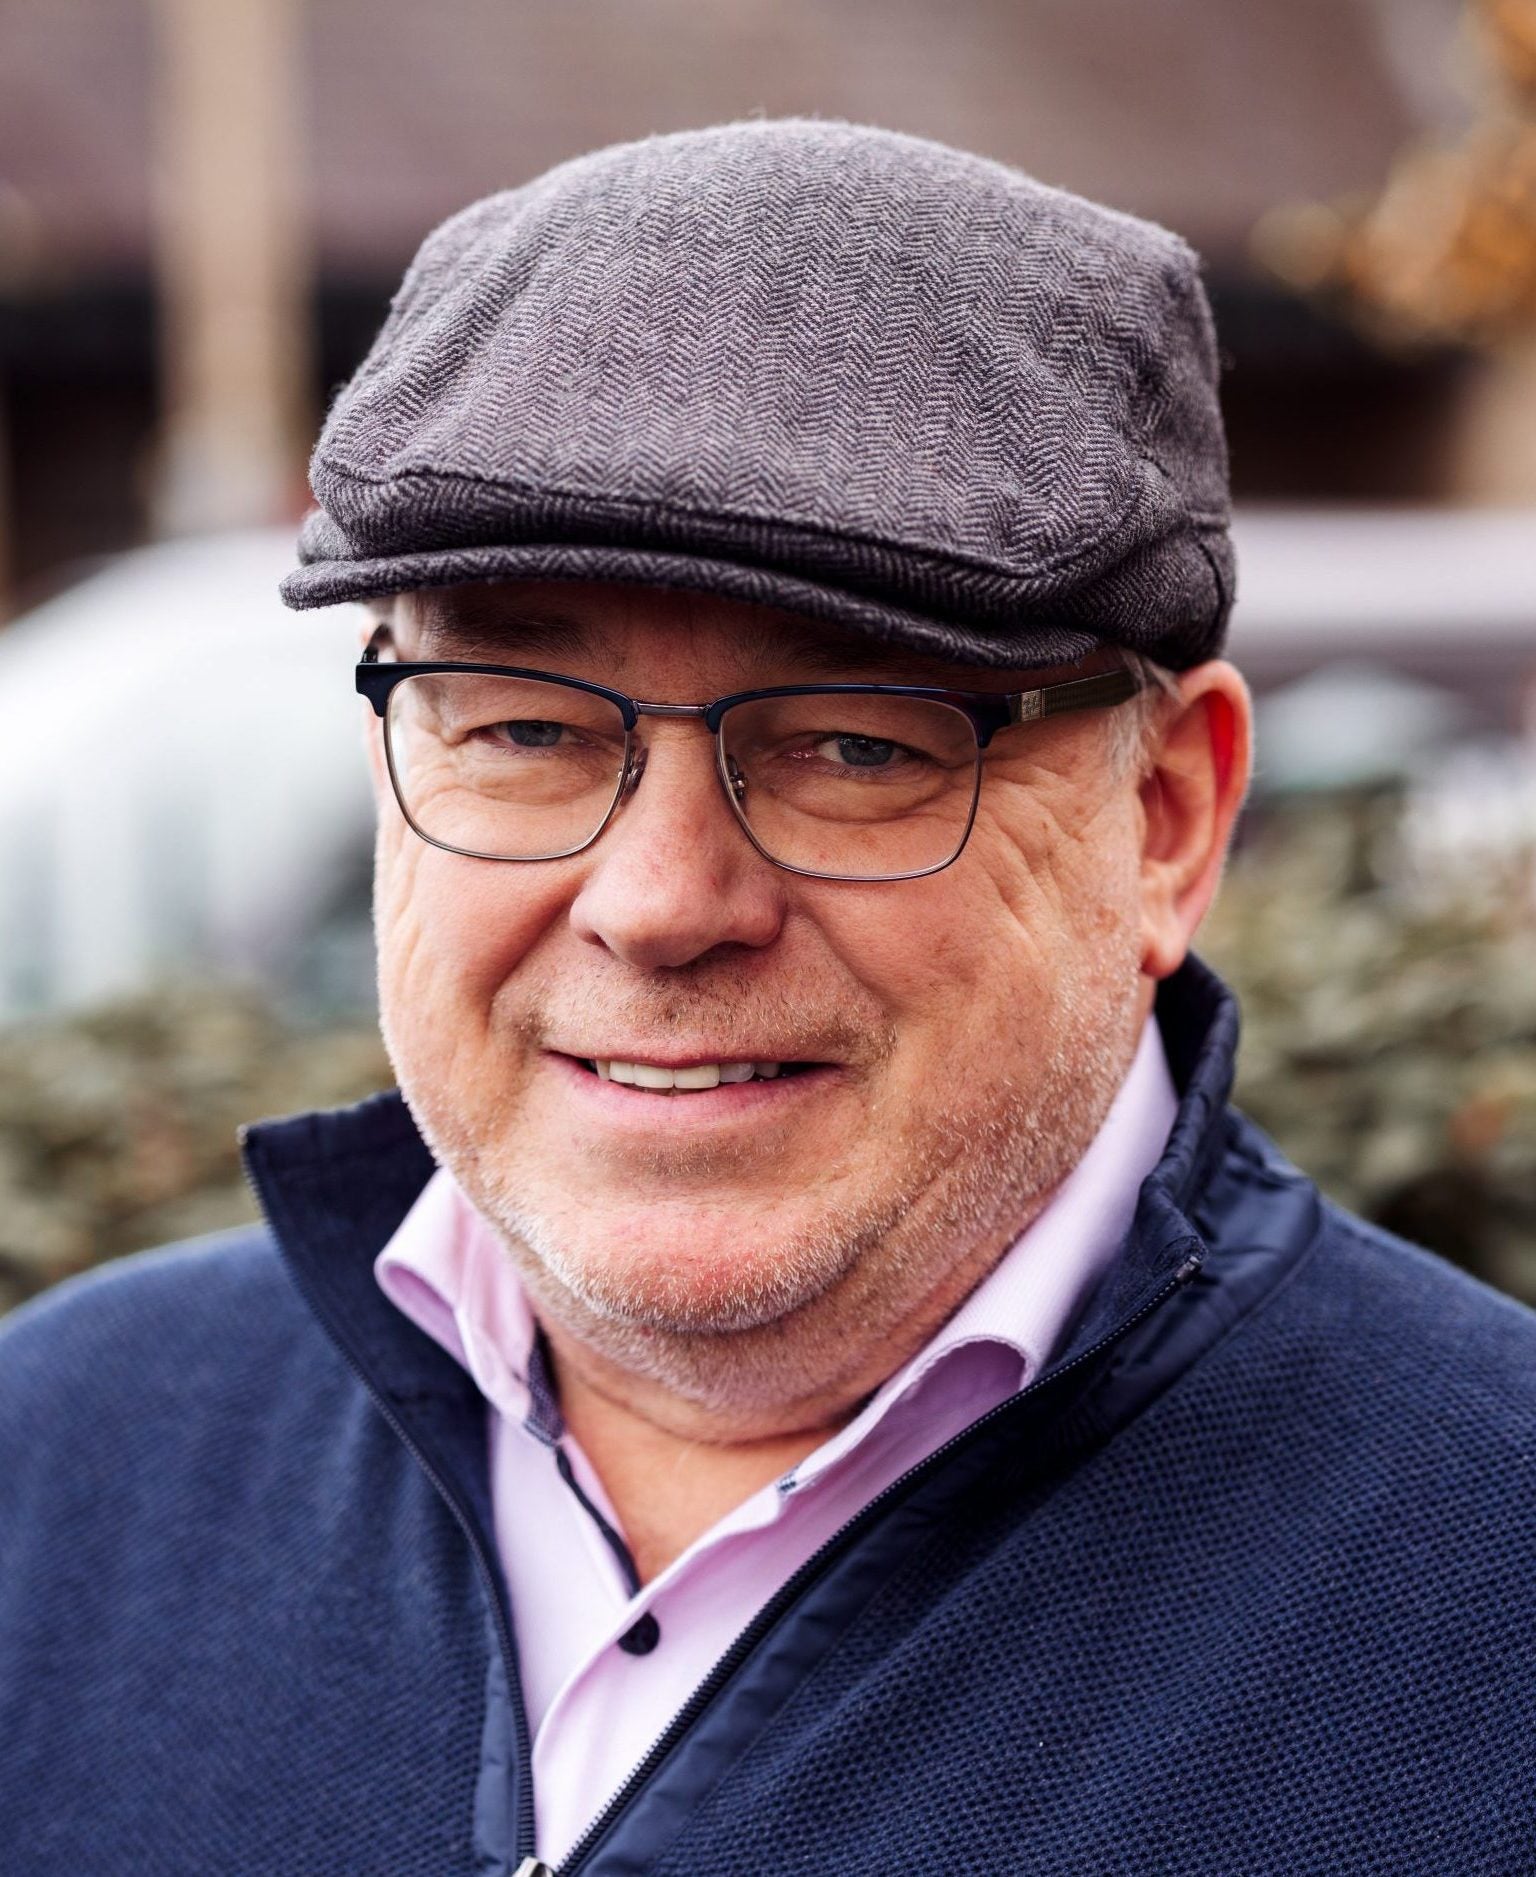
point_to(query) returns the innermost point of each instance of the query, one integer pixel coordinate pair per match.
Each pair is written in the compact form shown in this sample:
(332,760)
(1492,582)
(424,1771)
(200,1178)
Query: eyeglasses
(836,781)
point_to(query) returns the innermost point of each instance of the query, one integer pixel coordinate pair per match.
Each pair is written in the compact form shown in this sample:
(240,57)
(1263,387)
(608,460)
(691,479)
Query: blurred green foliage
(1389,1031)
(1389,1046)
(118,1127)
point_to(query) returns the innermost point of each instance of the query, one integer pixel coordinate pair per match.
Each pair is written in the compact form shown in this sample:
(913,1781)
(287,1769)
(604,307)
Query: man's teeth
(696,1075)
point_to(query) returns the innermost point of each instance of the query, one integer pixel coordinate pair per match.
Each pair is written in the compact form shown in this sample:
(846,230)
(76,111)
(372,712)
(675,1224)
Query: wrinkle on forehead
(492,623)
(478,625)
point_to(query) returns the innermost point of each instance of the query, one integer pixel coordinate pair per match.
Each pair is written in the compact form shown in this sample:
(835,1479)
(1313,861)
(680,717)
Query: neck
(673,1466)
(669,1477)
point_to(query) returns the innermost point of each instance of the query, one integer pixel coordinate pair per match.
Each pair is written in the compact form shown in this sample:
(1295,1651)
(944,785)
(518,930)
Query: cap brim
(1016,643)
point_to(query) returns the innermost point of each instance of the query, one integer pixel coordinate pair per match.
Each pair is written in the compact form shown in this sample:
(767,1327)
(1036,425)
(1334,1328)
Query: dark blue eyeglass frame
(987,712)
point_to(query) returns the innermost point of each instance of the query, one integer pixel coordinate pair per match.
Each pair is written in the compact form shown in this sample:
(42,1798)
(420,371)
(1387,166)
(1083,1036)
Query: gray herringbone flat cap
(833,369)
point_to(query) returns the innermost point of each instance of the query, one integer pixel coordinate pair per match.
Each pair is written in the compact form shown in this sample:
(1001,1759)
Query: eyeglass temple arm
(1102,689)
(1052,700)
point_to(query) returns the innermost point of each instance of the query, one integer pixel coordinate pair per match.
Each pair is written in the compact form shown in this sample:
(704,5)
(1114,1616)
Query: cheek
(1062,862)
(450,931)
(939,956)
(984,960)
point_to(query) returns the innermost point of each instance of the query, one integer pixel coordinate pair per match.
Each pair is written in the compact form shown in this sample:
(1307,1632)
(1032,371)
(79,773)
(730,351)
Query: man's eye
(849,751)
(529,732)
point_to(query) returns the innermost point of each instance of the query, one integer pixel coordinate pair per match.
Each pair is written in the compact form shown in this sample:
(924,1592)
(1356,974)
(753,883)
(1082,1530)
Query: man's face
(949,1044)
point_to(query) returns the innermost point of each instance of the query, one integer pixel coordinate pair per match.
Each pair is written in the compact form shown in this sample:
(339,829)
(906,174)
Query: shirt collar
(445,1269)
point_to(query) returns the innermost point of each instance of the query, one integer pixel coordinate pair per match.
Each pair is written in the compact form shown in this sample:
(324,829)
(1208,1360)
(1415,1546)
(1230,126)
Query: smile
(660,1079)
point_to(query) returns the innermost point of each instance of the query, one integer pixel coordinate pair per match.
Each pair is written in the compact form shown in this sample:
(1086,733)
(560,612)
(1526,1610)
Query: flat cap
(804,363)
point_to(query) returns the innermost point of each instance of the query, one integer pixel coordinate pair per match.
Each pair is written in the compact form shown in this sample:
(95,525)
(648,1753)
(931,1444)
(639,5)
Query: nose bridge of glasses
(639,751)
(671,710)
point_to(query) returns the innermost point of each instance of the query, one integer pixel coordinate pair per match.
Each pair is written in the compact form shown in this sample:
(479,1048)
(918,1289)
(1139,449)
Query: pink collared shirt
(605,1665)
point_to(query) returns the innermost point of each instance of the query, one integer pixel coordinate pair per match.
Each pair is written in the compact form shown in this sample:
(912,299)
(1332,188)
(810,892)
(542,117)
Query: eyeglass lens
(845,785)
(853,786)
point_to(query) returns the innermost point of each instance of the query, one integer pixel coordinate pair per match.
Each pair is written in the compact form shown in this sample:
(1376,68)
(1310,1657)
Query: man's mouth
(660,1079)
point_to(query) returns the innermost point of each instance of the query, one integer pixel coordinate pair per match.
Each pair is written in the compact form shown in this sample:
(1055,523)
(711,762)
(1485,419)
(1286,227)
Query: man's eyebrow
(819,656)
(506,639)
(847,659)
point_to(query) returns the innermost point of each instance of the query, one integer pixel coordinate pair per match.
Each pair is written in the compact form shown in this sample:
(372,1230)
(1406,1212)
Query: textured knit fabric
(1243,1585)
(595,1699)
(847,372)
(214,1637)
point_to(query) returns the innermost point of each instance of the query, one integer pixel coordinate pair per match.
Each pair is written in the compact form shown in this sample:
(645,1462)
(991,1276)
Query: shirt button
(642,1636)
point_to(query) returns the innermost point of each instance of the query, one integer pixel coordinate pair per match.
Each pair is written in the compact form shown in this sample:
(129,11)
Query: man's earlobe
(1190,796)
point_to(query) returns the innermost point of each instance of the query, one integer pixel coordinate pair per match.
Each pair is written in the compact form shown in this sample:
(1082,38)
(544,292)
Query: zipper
(522,1812)
(790,1591)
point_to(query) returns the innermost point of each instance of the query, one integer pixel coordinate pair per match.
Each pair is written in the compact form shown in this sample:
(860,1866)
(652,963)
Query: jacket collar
(334,1186)
(1198,1018)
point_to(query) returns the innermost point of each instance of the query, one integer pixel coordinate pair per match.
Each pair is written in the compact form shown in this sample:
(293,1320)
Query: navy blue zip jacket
(1246,1583)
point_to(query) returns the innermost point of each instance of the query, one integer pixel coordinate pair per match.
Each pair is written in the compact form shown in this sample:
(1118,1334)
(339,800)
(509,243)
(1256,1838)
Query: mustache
(731,1012)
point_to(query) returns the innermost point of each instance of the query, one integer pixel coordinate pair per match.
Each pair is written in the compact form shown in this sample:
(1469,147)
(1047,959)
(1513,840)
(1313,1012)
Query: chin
(674,1271)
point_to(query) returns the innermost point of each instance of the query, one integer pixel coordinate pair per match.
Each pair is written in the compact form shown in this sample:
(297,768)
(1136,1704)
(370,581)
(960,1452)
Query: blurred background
(203,211)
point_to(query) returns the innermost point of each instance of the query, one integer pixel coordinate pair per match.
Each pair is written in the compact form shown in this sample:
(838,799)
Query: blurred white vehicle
(182,781)
(1445,597)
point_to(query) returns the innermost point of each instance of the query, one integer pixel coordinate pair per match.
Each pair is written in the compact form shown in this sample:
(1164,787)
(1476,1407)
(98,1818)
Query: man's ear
(371,615)
(1196,775)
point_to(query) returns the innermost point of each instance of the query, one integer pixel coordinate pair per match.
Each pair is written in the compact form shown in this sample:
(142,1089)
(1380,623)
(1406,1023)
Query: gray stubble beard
(856,1283)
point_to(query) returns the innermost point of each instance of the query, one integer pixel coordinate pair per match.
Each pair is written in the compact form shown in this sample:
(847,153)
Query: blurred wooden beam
(1493,447)
(7,517)
(232,263)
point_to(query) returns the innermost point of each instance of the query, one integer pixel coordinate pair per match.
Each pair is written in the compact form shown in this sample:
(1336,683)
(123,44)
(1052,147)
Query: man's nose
(674,875)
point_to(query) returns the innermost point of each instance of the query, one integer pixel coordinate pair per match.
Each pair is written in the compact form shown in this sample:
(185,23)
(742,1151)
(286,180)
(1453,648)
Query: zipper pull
(531,1867)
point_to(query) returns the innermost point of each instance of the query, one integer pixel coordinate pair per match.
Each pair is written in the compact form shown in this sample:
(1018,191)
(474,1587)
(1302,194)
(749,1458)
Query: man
(812,1377)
